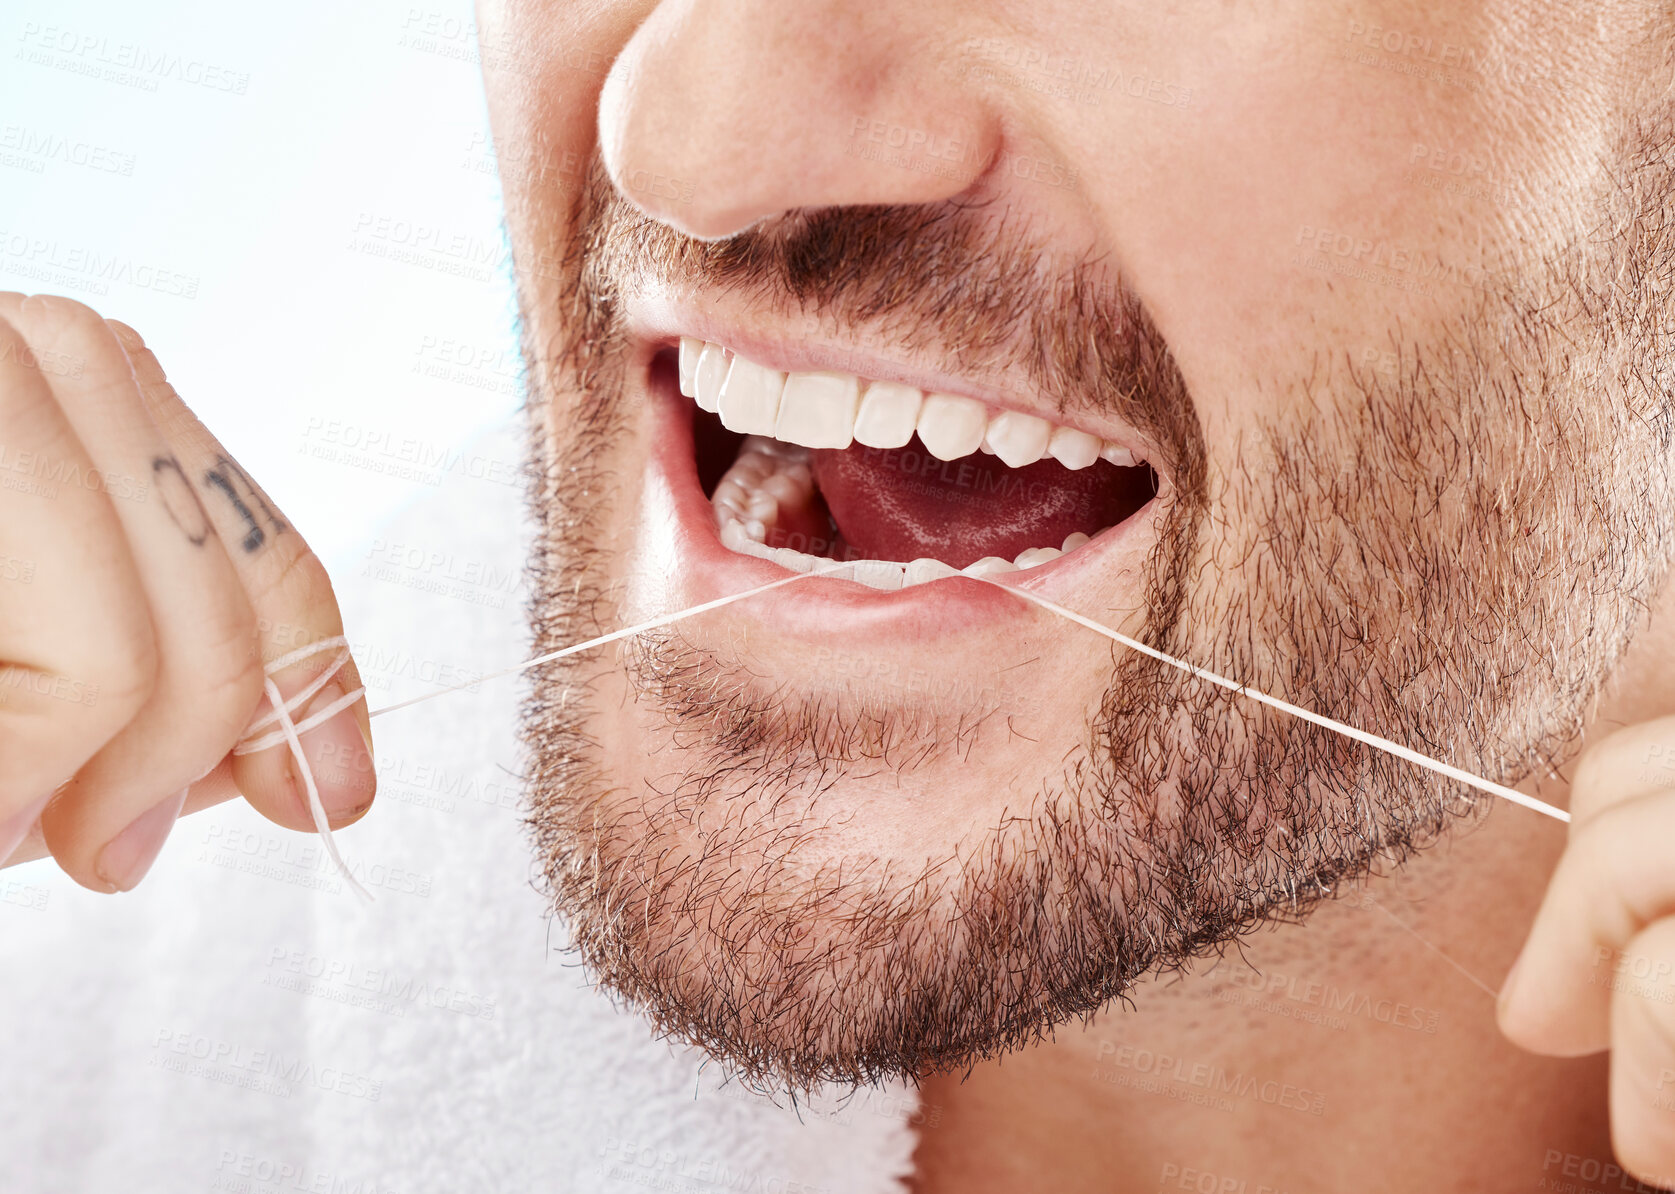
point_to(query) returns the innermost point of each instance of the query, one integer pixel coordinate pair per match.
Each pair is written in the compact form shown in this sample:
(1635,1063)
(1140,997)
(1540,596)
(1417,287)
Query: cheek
(544,62)
(1289,214)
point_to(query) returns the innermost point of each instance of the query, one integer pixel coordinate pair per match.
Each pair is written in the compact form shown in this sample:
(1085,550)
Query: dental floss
(625,632)
(1384,744)
(1437,950)
(1373,740)
(320,716)
(289,732)
(314,805)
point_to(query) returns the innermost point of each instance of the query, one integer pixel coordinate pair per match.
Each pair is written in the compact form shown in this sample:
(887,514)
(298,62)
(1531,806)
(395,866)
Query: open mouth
(900,486)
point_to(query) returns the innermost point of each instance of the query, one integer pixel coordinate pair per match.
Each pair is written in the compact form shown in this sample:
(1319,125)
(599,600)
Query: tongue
(905,504)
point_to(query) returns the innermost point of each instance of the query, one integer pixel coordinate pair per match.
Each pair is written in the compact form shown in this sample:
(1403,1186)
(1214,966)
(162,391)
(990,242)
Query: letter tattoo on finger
(180,499)
(230,479)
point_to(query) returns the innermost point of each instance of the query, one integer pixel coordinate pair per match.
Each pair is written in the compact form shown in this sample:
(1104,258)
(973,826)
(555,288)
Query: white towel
(242,1022)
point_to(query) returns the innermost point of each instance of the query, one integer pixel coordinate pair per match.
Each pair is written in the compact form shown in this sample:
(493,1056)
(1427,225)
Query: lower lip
(693,567)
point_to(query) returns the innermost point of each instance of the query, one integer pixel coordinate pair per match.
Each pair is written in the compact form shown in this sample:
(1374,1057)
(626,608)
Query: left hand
(1598,969)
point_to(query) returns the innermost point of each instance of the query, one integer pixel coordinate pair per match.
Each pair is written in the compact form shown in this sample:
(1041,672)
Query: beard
(1450,550)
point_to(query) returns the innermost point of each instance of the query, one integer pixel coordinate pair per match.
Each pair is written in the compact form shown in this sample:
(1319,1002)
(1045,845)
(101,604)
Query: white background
(277,158)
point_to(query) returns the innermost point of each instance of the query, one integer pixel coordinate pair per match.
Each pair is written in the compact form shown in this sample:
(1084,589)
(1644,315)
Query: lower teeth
(767,473)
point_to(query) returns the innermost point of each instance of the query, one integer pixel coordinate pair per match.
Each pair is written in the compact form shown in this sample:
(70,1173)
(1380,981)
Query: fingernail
(128,856)
(340,759)
(15,828)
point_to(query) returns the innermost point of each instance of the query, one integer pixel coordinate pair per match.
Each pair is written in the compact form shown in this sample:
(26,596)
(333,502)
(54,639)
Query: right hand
(144,579)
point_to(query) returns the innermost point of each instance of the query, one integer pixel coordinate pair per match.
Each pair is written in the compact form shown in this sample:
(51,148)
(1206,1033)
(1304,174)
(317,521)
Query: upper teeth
(833,410)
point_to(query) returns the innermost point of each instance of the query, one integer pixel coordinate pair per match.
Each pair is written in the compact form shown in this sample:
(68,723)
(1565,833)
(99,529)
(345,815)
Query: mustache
(963,282)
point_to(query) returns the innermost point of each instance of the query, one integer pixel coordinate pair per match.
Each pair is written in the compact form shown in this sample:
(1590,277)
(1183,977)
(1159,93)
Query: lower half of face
(853,827)
(892,817)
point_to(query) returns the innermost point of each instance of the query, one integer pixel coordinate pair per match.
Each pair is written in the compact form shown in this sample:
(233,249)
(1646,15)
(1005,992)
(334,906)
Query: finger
(1613,880)
(1643,1060)
(215,788)
(77,653)
(1629,762)
(295,609)
(110,821)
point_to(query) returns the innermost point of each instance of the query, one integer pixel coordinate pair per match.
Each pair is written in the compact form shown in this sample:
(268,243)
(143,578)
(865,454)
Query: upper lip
(657,321)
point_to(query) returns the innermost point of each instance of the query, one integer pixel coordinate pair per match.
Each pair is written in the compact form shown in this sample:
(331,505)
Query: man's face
(1366,286)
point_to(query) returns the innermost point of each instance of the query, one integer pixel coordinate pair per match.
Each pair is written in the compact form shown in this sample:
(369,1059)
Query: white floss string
(625,632)
(1384,744)
(289,732)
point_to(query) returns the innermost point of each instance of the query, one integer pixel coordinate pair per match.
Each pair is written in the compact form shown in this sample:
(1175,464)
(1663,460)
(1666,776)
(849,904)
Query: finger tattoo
(180,499)
(235,484)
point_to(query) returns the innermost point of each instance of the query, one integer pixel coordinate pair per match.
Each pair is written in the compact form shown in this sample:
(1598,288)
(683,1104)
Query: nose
(720,113)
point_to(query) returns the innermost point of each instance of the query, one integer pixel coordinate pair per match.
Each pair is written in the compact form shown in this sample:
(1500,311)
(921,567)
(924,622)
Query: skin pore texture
(1412,431)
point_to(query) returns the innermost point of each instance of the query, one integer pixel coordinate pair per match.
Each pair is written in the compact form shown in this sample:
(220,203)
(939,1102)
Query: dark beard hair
(1430,552)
